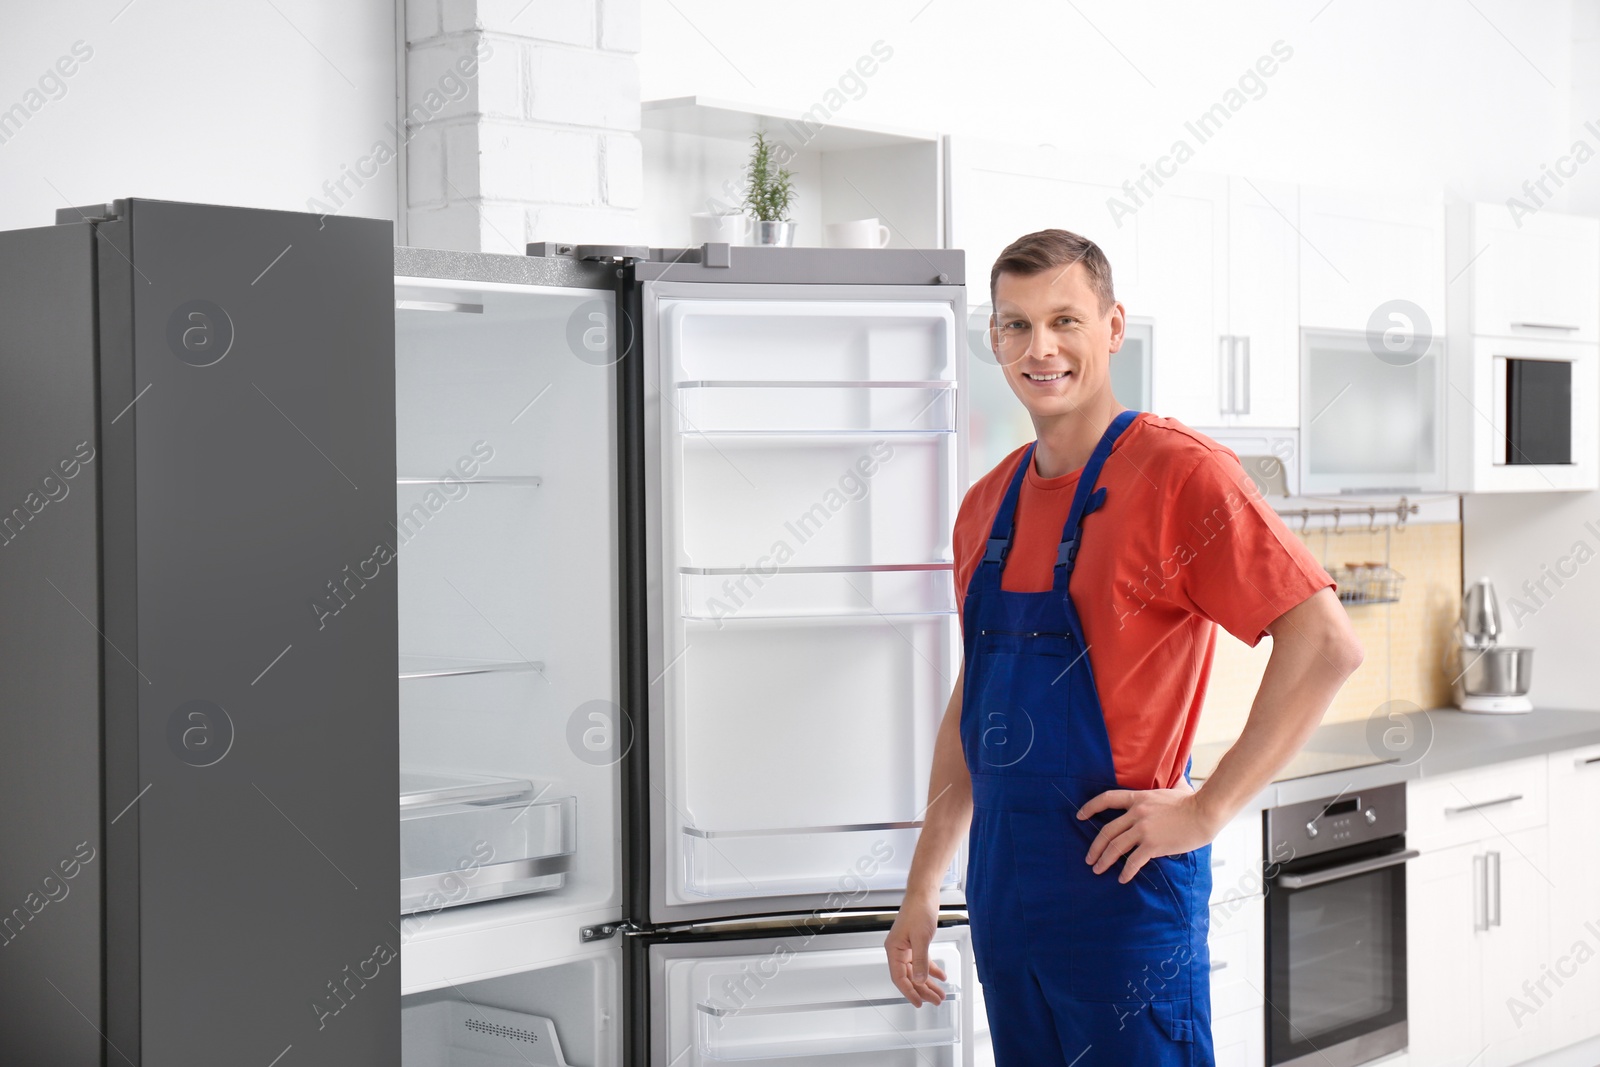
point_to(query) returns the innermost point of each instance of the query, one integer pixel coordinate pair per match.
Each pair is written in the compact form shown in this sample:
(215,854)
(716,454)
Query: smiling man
(1093,567)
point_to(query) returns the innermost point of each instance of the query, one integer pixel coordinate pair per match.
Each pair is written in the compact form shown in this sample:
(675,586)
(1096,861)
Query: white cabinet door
(1575,892)
(1186,261)
(1367,256)
(1443,905)
(1263,302)
(1240,1040)
(1517,1018)
(999,192)
(1535,276)
(1237,946)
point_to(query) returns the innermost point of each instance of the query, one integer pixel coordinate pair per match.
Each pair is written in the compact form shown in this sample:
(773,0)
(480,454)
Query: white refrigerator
(677,628)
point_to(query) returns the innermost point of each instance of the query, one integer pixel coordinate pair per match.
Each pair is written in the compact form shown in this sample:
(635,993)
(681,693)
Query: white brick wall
(540,141)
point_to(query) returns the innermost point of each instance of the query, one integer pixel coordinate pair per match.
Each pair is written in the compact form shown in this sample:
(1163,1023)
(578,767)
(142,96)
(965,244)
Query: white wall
(251,103)
(1427,92)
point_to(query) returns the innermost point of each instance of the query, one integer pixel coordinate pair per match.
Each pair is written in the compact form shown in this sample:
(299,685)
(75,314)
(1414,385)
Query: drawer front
(1236,859)
(1240,1040)
(1238,947)
(1488,802)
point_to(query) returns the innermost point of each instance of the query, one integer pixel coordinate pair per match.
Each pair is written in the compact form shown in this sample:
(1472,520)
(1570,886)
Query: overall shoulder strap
(1000,532)
(1087,499)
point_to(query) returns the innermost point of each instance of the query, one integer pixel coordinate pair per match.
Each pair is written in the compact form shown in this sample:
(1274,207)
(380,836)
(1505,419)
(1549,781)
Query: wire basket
(1367,583)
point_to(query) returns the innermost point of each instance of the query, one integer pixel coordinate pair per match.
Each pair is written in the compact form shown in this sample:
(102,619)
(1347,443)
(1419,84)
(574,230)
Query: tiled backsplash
(1405,642)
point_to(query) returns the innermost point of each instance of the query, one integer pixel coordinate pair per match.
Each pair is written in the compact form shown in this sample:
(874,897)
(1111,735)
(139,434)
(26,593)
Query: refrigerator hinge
(90,213)
(605,930)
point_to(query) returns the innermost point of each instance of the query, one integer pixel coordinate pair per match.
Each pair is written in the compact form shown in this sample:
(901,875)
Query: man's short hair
(1036,253)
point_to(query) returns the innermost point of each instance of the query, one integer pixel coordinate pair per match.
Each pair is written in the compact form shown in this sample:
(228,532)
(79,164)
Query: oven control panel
(1329,823)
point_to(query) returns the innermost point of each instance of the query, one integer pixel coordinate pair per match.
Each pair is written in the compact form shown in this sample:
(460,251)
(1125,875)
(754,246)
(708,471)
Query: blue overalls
(1077,968)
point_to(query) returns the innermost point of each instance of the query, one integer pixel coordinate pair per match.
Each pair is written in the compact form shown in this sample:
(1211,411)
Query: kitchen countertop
(1378,751)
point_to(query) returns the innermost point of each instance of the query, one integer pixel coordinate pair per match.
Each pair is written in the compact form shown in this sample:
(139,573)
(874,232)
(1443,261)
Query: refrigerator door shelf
(777,1000)
(750,593)
(459,1034)
(760,739)
(844,1027)
(465,838)
(818,407)
(839,861)
(823,340)
(831,502)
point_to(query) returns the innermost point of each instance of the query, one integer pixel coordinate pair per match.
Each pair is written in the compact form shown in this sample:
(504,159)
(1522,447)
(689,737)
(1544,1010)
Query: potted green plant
(769,190)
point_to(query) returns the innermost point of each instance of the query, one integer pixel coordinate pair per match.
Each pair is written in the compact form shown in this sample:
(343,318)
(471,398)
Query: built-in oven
(1336,929)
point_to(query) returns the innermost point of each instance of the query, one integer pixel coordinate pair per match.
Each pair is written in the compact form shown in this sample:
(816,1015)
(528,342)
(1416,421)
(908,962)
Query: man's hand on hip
(1154,822)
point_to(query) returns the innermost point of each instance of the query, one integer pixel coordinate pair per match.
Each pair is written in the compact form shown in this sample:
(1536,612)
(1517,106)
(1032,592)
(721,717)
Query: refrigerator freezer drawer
(466,838)
(778,1000)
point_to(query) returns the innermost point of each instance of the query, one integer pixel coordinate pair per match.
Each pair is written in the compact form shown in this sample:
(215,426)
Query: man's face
(1052,340)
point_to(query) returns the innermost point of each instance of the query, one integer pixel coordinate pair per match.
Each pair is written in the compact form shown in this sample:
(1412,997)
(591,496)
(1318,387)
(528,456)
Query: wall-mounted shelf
(696,149)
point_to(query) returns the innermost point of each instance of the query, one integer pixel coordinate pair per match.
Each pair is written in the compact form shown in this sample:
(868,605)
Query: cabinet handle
(1224,374)
(1495,856)
(1217,965)
(1547,326)
(1483,804)
(1587,762)
(1480,893)
(1244,374)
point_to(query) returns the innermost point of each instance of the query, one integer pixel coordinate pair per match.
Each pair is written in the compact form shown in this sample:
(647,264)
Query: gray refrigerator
(650,644)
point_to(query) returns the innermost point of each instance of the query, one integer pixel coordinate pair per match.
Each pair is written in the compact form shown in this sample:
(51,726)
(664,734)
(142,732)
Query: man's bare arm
(944,823)
(1314,650)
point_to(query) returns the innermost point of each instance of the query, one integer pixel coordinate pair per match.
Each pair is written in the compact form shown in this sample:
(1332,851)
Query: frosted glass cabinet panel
(505,536)
(806,645)
(1370,421)
(805,1000)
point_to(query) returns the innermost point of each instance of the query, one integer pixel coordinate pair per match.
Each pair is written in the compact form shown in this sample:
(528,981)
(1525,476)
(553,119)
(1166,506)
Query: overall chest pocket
(1018,703)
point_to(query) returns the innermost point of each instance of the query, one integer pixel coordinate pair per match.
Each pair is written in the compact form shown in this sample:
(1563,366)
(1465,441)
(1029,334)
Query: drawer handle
(1547,326)
(1586,762)
(1215,863)
(1483,804)
(1217,965)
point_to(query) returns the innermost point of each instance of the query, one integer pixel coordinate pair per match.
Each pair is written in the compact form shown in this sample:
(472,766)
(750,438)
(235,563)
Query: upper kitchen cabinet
(1372,312)
(696,157)
(1363,255)
(1532,275)
(1261,368)
(1524,318)
(997,192)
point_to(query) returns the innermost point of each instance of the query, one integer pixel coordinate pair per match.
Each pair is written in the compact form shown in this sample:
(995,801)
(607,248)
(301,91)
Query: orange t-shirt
(1182,542)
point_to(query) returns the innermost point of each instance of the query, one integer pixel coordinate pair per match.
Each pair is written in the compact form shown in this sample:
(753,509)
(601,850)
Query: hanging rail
(1400,511)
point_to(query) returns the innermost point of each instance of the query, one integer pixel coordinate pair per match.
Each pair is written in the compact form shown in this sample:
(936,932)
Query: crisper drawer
(1236,859)
(1237,948)
(1469,805)
(803,1000)
(465,838)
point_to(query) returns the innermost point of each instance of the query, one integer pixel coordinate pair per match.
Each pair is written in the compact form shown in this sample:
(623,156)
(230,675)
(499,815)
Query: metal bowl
(1499,671)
